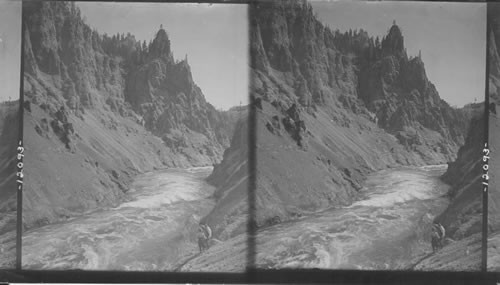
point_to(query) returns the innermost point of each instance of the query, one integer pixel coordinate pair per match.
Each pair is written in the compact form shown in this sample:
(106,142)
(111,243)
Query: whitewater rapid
(154,230)
(387,229)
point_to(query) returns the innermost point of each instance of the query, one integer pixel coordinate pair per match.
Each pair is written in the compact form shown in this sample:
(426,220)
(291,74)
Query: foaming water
(154,230)
(168,188)
(438,167)
(384,230)
(200,169)
(387,188)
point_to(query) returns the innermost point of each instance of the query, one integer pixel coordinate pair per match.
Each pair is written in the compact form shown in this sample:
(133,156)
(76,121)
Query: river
(389,228)
(154,230)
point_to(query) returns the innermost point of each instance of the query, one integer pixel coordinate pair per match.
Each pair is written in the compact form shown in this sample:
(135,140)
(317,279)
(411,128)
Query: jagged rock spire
(393,43)
(161,44)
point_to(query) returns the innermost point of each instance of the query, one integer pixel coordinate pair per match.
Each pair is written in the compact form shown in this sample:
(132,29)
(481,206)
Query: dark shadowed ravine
(388,229)
(154,230)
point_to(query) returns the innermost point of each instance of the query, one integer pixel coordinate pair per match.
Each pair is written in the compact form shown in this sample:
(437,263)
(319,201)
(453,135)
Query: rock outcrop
(104,108)
(494,139)
(334,107)
(463,216)
(9,127)
(162,91)
(230,215)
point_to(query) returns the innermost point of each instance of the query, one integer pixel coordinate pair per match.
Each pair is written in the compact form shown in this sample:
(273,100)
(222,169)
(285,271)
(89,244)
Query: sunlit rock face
(335,106)
(9,136)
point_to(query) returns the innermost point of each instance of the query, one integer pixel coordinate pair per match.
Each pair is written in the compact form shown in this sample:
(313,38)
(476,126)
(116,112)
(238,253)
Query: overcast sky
(10,49)
(451,36)
(215,38)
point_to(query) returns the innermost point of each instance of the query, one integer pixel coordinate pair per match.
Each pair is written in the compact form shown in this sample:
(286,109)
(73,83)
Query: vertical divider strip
(20,153)
(252,156)
(484,241)
(252,183)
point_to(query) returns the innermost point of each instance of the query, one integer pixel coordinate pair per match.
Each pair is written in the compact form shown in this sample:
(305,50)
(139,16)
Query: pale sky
(10,49)
(451,36)
(214,36)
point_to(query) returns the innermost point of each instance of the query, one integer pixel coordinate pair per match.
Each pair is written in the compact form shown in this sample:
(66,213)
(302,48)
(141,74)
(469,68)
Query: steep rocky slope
(229,216)
(9,126)
(494,139)
(104,108)
(494,92)
(463,217)
(334,107)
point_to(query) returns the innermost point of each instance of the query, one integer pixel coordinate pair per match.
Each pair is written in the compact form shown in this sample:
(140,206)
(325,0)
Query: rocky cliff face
(462,218)
(104,108)
(464,214)
(9,126)
(230,215)
(494,139)
(335,106)
(162,91)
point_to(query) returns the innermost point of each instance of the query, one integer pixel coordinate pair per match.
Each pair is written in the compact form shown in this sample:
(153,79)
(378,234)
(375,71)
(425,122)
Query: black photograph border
(251,275)
(484,241)
(20,186)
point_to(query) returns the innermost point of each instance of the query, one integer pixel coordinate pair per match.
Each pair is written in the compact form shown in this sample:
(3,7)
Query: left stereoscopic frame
(137,150)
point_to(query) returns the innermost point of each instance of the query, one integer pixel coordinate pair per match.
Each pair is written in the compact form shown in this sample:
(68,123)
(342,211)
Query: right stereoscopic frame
(370,130)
